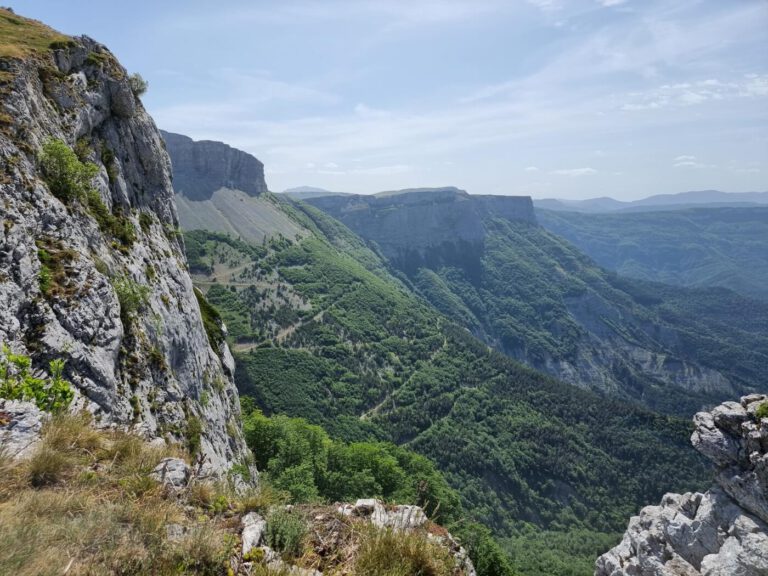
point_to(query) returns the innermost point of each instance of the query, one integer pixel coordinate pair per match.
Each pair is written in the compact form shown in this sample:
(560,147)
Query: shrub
(116,225)
(285,531)
(132,297)
(138,84)
(17,382)
(762,411)
(67,177)
(193,434)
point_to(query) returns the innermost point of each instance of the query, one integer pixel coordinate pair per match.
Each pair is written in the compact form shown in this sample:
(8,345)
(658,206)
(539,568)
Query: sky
(549,98)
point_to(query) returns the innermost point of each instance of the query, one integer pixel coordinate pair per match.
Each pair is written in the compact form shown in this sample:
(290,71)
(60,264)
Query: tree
(138,84)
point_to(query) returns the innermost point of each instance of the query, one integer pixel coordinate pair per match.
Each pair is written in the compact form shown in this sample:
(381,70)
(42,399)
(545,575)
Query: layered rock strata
(721,532)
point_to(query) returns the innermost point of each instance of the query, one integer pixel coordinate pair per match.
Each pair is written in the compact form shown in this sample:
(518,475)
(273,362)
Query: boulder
(172,472)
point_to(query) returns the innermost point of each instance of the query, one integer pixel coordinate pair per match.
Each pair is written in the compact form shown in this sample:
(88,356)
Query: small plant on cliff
(18,382)
(285,531)
(132,297)
(138,84)
(67,177)
(762,411)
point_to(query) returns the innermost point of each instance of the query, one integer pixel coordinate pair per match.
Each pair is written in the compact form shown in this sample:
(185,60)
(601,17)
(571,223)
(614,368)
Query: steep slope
(726,247)
(533,296)
(323,331)
(725,529)
(92,269)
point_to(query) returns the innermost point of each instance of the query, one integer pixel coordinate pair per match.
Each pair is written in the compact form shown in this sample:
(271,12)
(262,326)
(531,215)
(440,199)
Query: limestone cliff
(425,227)
(202,167)
(101,280)
(722,532)
(222,189)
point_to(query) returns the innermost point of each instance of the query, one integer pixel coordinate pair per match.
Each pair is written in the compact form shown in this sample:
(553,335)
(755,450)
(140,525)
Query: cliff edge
(92,270)
(202,167)
(722,532)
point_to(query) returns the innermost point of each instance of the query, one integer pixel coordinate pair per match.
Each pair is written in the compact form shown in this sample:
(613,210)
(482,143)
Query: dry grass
(83,504)
(388,553)
(20,37)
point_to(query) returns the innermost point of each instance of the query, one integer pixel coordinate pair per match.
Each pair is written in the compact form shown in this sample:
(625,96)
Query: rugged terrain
(326,329)
(723,531)
(92,269)
(486,263)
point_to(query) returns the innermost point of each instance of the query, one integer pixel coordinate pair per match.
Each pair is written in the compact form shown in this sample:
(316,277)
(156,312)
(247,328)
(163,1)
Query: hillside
(535,297)
(321,330)
(702,247)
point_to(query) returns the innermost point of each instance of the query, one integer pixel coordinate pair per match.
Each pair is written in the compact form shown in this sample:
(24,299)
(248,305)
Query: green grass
(21,37)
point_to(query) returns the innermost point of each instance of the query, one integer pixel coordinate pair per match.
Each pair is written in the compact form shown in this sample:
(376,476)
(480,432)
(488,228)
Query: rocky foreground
(722,532)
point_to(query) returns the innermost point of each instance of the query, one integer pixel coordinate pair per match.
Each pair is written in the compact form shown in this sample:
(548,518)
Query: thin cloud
(575,172)
(699,92)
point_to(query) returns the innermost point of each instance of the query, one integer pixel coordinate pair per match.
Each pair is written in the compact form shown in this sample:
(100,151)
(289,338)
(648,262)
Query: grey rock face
(723,531)
(172,472)
(20,427)
(203,167)
(153,370)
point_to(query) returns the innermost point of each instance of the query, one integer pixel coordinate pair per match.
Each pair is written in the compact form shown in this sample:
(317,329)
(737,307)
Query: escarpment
(92,270)
(723,531)
(202,167)
(429,227)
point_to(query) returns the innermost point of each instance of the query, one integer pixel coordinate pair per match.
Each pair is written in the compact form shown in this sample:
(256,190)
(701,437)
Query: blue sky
(552,98)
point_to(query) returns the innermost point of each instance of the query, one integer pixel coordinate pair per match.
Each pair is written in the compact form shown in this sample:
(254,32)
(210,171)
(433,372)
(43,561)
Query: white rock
(254,527)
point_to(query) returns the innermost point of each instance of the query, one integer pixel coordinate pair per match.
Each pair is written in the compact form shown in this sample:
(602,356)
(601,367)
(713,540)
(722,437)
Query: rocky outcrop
(101,281)
(21,424)
(202,167)
(331,530)
(721,532)
(425,227)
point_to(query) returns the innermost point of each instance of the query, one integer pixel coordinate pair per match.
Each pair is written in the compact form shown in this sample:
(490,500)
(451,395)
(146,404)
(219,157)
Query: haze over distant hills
(657,202)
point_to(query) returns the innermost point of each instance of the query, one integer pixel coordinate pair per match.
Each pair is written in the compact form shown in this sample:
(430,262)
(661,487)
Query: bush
(138,84)
(116,225)
(67,177)
(762,411)
(132,297)
(211,322)
(193,434)
(17,382)
(285,531)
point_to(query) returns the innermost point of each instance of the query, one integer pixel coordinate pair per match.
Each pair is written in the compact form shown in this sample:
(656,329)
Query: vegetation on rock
(50,392)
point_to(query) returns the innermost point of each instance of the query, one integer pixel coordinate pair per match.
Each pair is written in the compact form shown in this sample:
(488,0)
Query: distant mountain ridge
(425,226)
(222,189)
(485,262)
(695,247)
(656,202)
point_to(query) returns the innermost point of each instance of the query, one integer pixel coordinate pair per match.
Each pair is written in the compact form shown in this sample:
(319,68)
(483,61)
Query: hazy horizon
(549,98)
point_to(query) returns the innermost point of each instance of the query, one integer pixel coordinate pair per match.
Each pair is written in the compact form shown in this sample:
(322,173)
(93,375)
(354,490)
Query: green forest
(697,247)
(322,331)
